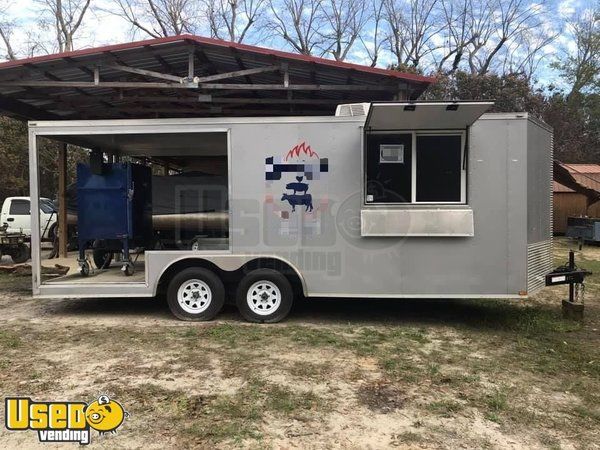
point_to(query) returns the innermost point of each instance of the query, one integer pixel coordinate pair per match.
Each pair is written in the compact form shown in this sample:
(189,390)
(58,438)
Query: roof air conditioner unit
(352,109)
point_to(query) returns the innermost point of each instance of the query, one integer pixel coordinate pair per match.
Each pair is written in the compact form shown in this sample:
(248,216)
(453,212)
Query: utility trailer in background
(586,229)
(388,199)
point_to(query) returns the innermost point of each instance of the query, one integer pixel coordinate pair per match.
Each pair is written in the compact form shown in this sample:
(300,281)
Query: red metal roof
(583,168)
(220,43)
(581,178)
(560,188)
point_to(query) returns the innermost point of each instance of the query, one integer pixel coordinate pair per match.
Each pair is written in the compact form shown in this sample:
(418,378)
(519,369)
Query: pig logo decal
(105,415)
(307,166)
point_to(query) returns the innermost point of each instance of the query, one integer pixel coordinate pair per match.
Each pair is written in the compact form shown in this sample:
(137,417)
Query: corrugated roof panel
(583,168)
(170,55)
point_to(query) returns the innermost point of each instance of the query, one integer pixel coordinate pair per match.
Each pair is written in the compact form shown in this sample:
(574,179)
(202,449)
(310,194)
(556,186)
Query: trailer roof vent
(352,109)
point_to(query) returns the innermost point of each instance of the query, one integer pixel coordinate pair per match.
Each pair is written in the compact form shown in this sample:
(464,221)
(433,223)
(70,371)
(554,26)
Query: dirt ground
(337,374)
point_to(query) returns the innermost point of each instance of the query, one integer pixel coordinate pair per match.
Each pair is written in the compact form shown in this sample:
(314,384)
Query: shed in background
(571,201)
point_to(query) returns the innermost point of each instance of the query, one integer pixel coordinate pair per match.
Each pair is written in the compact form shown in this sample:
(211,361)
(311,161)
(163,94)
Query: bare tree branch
(582,67)
(66,18)
(159,18)
(495,24)
(345,20)
(456,33)
(232,20)
(298,23)
(412,25)
(375,39)
(7,27)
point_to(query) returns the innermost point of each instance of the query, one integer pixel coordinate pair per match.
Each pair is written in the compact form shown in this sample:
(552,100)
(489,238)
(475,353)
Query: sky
(101,27)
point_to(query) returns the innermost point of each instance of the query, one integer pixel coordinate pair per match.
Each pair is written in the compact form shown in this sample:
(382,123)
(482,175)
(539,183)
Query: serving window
(415,153)
(415,167)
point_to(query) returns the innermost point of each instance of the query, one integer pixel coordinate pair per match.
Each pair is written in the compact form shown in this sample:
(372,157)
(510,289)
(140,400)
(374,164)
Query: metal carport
(191,76)
(187,76)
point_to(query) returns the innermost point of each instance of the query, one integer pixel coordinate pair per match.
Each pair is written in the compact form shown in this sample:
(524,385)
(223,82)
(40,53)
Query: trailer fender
(158,265)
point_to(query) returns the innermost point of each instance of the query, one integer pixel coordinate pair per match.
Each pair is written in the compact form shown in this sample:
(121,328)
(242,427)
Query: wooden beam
(131,101)
(237,73)
(81,67)
(191,58)
(62,201)
(216,86)
(24,110)
(296,87)
(218,110)
(286,74)
(210,66)
(146,73)
(165,65)
(101,84)
(57,79)
(230,100)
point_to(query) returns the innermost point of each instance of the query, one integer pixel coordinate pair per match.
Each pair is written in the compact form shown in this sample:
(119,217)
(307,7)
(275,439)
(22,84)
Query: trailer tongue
(574,276)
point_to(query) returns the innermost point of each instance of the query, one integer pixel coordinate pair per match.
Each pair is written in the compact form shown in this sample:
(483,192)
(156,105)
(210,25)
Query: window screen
(388,167)
(19,208)
(439,165)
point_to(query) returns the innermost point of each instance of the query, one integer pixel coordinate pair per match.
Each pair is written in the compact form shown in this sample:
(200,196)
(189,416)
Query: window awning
(424,116)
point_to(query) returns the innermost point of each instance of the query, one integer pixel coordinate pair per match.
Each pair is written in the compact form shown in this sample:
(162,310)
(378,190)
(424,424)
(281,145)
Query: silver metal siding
(540,143)
(492,263)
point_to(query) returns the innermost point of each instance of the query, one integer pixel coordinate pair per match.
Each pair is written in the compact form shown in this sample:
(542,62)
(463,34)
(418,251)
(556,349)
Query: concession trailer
(395,199)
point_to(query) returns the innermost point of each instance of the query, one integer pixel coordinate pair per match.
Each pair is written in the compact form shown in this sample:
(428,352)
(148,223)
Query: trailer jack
(575,277)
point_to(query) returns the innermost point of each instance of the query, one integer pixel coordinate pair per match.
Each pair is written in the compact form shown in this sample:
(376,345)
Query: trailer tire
(53,232)
(102,258)
(21,254)
(195,293)
(264,296)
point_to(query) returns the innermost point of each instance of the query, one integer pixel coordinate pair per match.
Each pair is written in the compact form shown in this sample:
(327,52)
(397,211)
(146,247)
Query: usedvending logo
(64,421)
(306,165)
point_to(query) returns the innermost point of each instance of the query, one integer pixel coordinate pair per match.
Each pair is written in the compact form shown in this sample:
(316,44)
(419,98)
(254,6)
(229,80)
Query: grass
(591,414)
(406,437)
(445,408)
(496,402)
(9,340)
(14,283)
(519,365)
(237,417)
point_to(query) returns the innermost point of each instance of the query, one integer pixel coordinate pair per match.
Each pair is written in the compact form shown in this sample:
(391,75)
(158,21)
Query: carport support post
(62,201)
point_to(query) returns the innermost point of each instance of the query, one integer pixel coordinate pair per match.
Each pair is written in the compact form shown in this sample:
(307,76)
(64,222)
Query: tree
(510,92)
(232,20)
(411,24)
(374,38)
(64,17)
(576,126)
(497,23)
(159,18)
(581,68)
(7,27)
(456,33)
(525,55)
(299,23)
(345,21)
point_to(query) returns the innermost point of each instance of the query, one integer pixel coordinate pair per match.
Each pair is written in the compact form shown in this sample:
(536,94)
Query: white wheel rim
(263,297)
(194,296)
